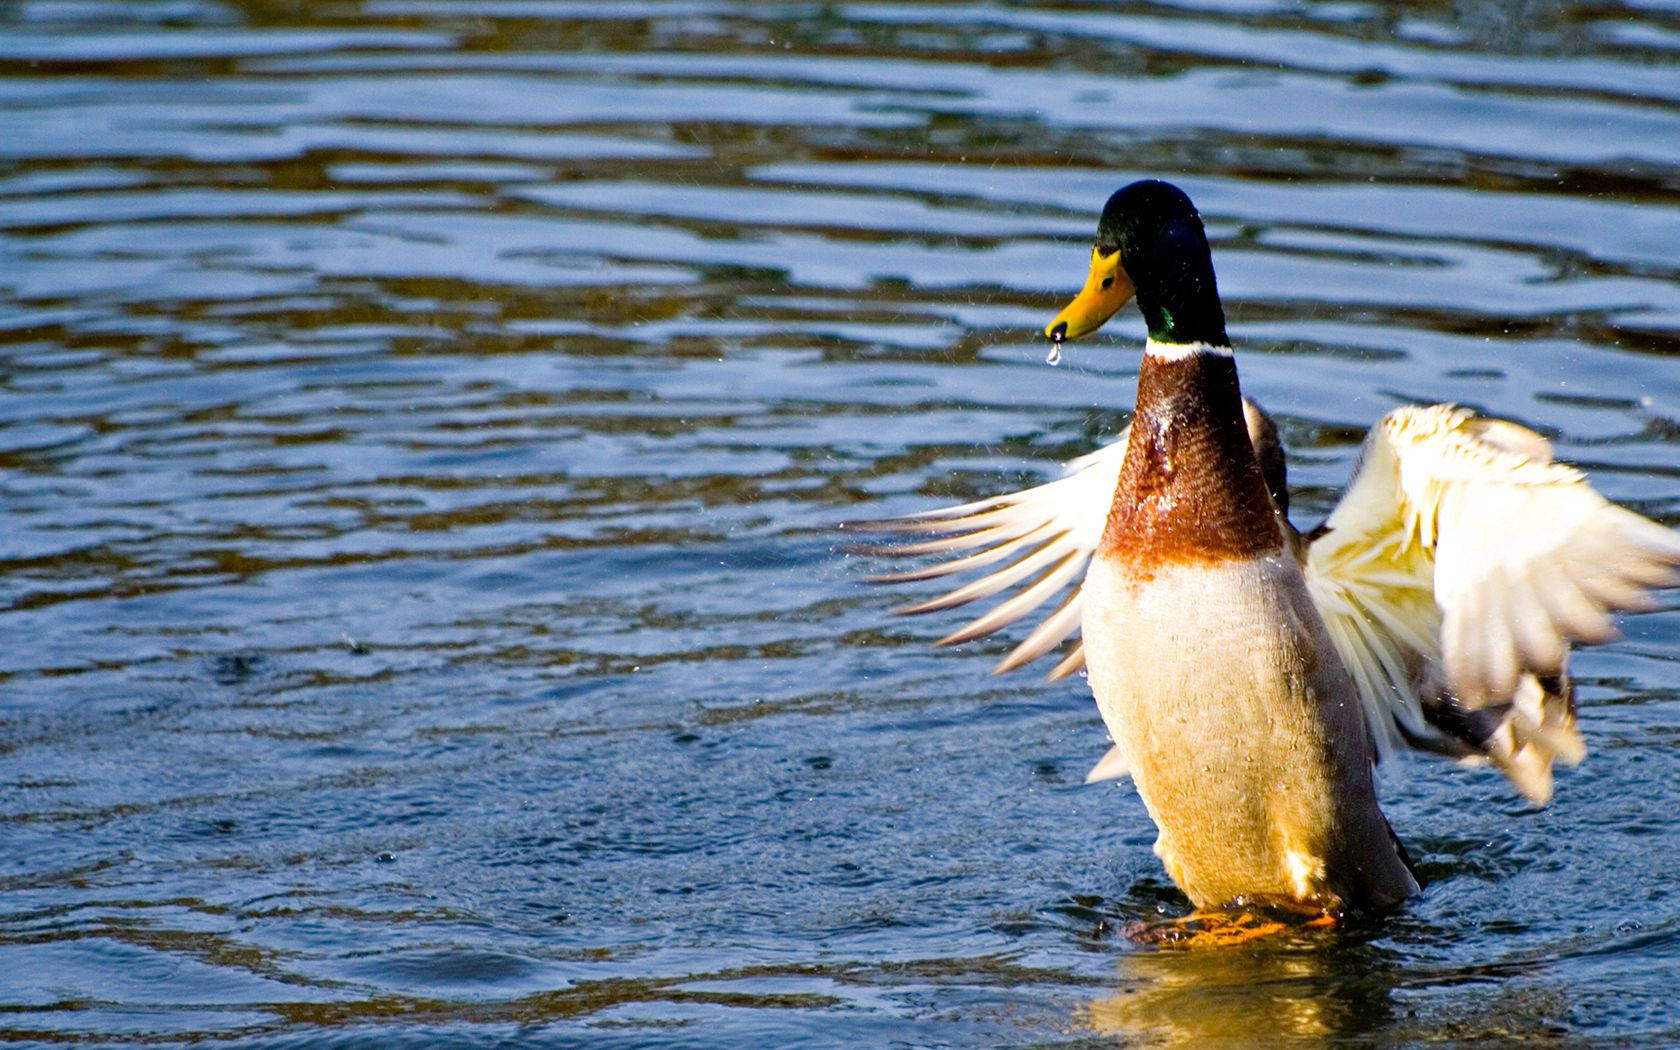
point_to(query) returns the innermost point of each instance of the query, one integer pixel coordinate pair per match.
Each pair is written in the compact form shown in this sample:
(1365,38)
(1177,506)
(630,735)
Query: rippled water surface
(423,426)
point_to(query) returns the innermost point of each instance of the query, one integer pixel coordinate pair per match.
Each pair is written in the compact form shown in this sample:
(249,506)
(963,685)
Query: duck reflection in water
(1300,994)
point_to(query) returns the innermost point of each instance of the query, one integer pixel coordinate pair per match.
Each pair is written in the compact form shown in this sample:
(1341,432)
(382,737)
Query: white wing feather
(1462,560)
(1050,530)
(1112,766)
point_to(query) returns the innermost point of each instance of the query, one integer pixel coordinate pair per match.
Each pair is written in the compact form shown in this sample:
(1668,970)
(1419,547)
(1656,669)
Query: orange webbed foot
(1224,929)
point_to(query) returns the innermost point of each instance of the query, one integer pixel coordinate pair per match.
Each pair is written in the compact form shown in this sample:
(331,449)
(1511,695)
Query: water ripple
(423,426)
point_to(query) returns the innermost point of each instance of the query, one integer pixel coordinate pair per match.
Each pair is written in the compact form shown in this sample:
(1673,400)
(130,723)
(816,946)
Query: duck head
(1151,244)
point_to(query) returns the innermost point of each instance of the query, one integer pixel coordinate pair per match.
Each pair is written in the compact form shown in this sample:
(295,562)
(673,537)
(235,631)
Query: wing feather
(988,585)
(1012,609)
(1459,567)
(1071,664)
(1055,629)
(1045,536)
(1112,766)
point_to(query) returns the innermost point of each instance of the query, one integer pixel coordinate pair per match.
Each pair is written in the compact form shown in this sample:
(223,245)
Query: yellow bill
(1106,290)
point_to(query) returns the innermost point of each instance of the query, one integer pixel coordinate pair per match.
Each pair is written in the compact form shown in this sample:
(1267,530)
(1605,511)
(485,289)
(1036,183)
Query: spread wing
(1043,536)
(1460,565)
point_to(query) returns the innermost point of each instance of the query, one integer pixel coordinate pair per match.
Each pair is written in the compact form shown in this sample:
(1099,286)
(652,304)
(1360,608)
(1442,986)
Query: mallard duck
(1250,676)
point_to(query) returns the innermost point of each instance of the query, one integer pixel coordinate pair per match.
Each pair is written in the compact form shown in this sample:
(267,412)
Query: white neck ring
(1181,351)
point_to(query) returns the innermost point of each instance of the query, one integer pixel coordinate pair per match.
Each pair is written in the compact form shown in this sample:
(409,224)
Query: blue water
(423,427)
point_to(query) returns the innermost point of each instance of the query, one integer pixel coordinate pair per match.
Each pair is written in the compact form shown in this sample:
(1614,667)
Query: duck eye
(1108,282)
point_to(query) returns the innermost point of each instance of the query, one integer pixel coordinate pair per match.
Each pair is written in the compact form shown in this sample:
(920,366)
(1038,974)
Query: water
(423,426)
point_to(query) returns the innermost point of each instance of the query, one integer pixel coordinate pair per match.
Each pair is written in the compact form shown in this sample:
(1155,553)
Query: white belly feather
(1242,732)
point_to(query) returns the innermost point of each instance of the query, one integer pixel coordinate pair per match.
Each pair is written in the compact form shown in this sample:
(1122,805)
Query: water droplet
(1054,357)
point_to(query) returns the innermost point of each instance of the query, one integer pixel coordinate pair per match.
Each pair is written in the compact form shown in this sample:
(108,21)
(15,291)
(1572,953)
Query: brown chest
(1190,490)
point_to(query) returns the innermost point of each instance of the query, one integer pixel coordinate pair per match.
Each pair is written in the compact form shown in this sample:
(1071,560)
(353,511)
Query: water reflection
(1311,993)
(423,425)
